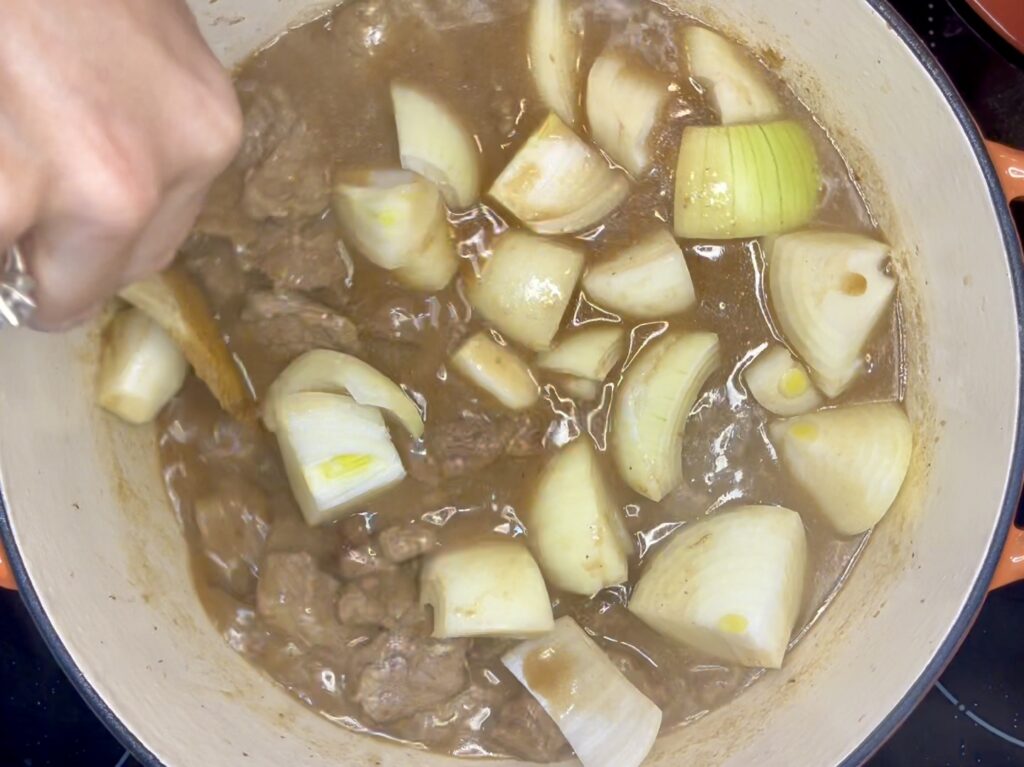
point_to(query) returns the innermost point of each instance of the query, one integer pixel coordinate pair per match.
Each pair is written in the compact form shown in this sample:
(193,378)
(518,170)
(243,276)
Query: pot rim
(946,650)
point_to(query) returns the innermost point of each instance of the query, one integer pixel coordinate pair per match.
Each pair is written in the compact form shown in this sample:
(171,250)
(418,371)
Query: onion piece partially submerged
(581,542)
(780,384)
(590,352)
(654,401)
(434,142)
(337,453)
(526,285)
(324,370)
(742,181)
(176,303)
(829,291)
(389,215)
(738,88)
(497,370)
(140,369)
(431,267)
(852,460)
(488,589)
(730,585)
(648,280)
(555,48)
(625,100)
(557,183)
(607,721)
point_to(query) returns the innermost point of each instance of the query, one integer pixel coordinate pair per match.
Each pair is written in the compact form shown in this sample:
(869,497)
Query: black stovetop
(975,716)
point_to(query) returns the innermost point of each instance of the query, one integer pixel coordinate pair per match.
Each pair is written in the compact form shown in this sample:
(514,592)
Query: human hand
(115,118)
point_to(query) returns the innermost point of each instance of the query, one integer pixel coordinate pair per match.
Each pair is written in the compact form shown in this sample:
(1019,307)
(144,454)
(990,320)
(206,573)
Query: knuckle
(217,133)
(123,197)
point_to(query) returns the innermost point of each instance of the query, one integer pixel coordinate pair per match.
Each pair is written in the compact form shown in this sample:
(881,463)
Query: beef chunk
(304,255)
(222,214)
(292,181)
(477,440)
(298,599)
(287,325)
(382,599)
(527,432)
(466,714)
(215,266)
(269,120)
(233,525)
(467,445)
(406,672)
(362,560)
(524,729)
(404,542)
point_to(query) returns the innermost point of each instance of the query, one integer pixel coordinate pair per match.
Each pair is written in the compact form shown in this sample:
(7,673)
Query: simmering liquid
(284,283)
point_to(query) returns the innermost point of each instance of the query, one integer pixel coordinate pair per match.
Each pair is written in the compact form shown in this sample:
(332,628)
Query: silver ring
(17,290)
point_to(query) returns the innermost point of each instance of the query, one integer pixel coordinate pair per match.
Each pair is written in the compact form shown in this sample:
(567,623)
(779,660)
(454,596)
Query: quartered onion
(323,370)
(177,304)
(434,142)
(589,353)
(625,100)
(497,370)
(653,404)
(647,280)
(487,589)
(576,530)
(741,181)
(555,47)
(389,215)
(526,285)
(337,453)
(141,368)
(830,291)
(607,721)
(730,585)
(738,88)
(557,183)
(852,460)
(780,384)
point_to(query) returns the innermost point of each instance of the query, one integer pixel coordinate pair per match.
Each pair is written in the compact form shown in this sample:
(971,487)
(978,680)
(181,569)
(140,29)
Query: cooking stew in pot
(562,374)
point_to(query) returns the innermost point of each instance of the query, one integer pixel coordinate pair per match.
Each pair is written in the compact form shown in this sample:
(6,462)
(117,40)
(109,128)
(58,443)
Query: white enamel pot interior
(103,565)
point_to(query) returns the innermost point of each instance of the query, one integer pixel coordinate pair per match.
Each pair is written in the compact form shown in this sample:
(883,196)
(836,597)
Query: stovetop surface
(974,716)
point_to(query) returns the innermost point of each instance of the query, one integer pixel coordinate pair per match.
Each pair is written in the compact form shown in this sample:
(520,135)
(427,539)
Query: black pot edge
(965,620)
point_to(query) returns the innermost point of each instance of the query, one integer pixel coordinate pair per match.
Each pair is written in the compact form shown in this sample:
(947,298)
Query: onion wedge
(389,216)
(739,90)
(489,589)
(337,453)
(658,392)
(607,721)
(829,291)
(555,48)
(176,303)
(323,370)
(730,585)
(525,287)
(625,100)
(780,384)
(648,280)
(852,460)
(576,532)
(434,142)
(742,181)
(557,183)
(497,370)
(141,368)
(589,353)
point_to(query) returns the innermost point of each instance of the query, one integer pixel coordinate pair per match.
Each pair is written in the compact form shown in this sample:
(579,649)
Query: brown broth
(336,72)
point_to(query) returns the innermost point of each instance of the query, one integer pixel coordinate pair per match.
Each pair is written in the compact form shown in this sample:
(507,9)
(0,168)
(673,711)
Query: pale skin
(115,118)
